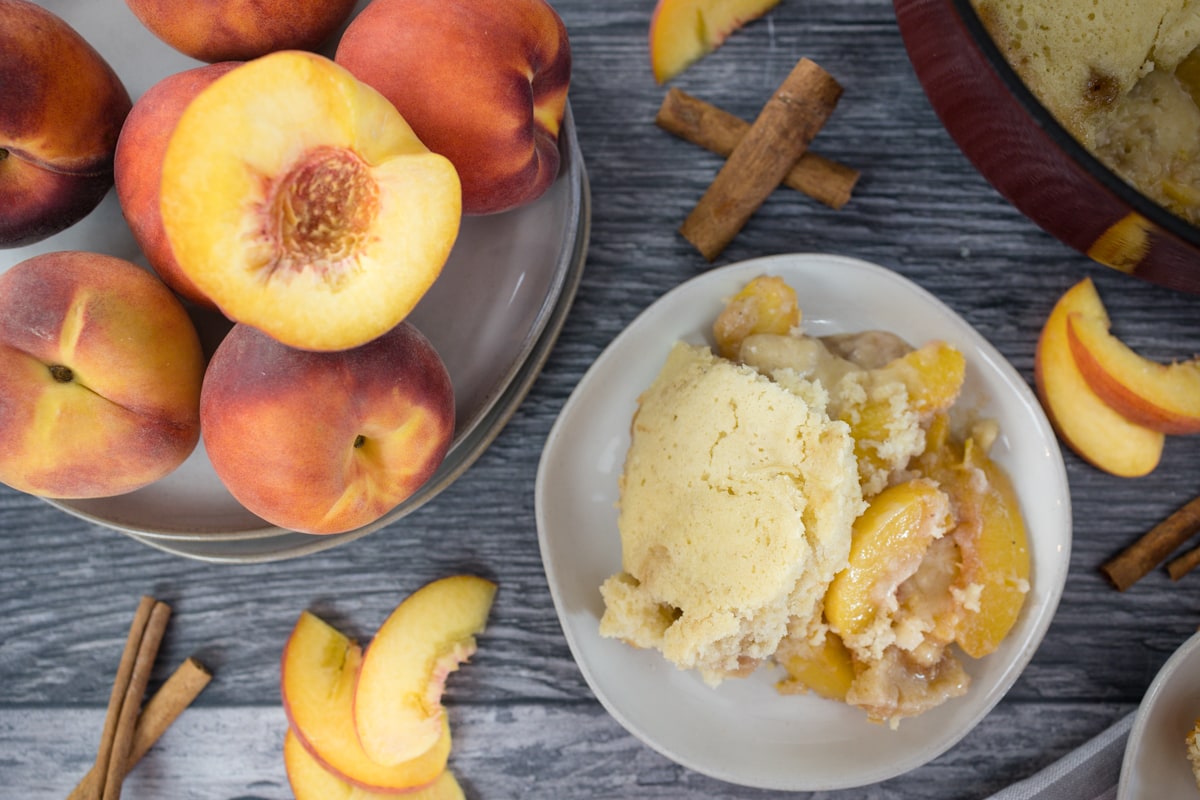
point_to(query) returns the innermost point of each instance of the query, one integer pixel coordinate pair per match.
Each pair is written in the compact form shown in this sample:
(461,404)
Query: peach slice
(1084,421)
(397,701)
(300,202)
(311,781)
(827,669)
(318,670)
(684,31)
(1162,397)
(887,544)
(764,305)
(933,375)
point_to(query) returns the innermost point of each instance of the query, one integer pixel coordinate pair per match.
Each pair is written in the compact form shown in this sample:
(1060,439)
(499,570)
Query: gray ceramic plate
(493,316)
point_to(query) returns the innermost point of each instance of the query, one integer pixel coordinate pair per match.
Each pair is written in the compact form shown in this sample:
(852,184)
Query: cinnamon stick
(718,131)
(779,135)
(120,740)
(1182,565)
(163,708)
(1136,561)
(116,697)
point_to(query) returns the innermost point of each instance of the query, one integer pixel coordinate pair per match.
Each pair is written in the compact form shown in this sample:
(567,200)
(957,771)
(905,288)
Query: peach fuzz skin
(61,110)
(100,372)
(325,442)
(138,169)
(239,30)
(484,84)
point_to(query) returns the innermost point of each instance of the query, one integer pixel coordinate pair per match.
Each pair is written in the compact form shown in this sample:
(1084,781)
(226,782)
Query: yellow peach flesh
(1088,425)
(309,780)
(318,672)
(1162,397)
(397,700)
(300,201)
(683,31)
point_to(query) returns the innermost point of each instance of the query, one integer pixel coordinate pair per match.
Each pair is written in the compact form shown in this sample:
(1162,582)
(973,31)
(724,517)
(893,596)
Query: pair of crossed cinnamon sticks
(1136,561)
(760,156)
(129,729)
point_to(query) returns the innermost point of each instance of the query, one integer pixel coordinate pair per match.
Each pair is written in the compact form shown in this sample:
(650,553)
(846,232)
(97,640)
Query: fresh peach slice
(318,670)
(684,31)
(311,781)
(1088,425)
(1162,397)
(300,202)
(398,699)
(887,544)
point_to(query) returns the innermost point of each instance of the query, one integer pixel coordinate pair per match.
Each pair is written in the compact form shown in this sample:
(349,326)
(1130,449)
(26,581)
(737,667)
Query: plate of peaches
(259,300)
(803,526)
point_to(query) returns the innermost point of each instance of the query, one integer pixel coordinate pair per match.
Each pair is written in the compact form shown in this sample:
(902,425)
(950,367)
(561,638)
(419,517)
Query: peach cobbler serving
(816,504)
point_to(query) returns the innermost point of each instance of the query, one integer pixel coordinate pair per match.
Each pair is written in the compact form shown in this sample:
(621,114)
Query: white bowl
(744,732)
(1155,763)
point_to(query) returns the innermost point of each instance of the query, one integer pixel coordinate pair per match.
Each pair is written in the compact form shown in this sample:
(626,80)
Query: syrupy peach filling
(320,214)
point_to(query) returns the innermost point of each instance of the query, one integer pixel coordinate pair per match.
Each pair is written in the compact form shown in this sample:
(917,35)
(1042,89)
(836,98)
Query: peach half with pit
(299,201)
(317,676)
(238,30)
(100,374)
(61,110)
(398,711)
(137,168)
(484,84)
(325,442)
(1097,432)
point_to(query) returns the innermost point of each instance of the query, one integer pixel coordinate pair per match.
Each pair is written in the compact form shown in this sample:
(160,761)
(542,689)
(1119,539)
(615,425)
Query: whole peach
(61,109)
(483,83)
(239,30)
(100,372)
(324,442)
(138,168)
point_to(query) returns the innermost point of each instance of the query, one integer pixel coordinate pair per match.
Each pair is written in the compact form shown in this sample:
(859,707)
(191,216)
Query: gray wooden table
(527,724)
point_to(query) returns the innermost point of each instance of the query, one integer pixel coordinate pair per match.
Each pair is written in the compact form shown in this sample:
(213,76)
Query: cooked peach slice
(683,31)
(933,375)
(300,202)
(318,670)
(827,669)
(1162,397)
(994,576)
(888,542)
(1085,422)
(764,305)
(398,698)
(311,781)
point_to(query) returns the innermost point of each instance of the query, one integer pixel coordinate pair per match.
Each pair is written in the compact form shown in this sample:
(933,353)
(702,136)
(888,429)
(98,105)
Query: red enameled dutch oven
(1030,159)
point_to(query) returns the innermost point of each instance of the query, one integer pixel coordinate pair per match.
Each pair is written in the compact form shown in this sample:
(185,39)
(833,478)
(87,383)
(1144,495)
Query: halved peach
(683,31)
(1084,421)
(1162,397)
(317,674)
(397,701)
(300,202)
(311,781)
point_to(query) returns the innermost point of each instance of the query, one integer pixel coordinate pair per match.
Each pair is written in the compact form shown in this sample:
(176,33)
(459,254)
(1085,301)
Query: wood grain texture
(528,724)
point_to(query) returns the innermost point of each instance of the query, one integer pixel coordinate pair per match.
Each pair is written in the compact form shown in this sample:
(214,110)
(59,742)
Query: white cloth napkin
(1090,772)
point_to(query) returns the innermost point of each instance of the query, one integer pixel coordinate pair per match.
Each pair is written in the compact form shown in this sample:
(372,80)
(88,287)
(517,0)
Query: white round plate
(1155,763)
(492,315)
(744,732)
